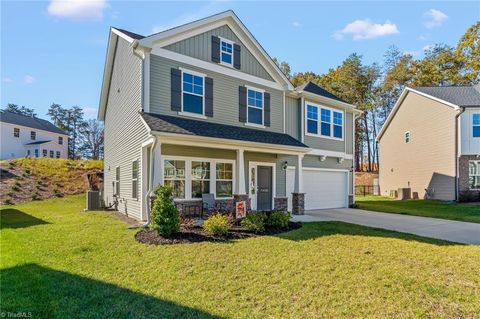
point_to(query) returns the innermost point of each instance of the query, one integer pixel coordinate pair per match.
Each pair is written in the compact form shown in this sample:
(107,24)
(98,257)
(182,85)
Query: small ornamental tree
(164,214)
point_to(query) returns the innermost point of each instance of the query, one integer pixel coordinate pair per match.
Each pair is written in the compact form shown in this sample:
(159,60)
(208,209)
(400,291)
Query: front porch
(230,170)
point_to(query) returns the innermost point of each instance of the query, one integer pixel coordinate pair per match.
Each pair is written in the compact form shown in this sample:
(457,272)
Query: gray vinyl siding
(322,143)
(225,94)
(200,47)
(310,161)
(124,131)
(292,117)
(199,152)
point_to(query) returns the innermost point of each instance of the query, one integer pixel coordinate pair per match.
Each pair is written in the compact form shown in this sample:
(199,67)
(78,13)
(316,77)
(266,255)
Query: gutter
(457,172)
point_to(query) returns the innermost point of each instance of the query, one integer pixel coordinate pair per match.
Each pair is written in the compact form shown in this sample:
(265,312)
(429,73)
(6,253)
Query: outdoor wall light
(285,165)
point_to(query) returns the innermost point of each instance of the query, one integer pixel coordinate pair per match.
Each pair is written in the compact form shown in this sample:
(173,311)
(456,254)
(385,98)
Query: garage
(324,188)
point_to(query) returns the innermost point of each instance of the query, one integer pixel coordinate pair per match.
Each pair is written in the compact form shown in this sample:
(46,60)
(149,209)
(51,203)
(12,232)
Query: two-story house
(202,107)
(430,143)
(27,136)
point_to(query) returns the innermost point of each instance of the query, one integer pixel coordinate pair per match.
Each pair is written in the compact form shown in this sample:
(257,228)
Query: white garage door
(323,188)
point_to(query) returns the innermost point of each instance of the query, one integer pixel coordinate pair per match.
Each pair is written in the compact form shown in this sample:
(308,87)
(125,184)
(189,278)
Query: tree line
(85,137)
(375,88)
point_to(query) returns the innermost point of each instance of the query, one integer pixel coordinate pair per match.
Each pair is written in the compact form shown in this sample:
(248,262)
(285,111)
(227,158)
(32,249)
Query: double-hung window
(117,181)
(325,118)
(58,154)
(16,132)
(476,124)
(36,152)
(254,106)
(226,52)
(33,135)
(312,119)
(174,176)
(322,121)
(474,174)
(193,93)
(52,154)
(135,179)
(44,153)
(200,178)
(60,140)
(224,179)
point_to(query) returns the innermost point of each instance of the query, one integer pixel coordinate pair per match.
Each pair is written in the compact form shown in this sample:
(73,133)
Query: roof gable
(170,36)
(28,121)
(462,96)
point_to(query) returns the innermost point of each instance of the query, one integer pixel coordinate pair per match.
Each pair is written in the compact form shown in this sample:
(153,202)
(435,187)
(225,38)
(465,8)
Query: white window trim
(190,114)
(247,123)
(407,133)
(229,42)
(117,181)
(319,121)
(213,177)
(136,179)
(469,187)
(474,125)
(34,134)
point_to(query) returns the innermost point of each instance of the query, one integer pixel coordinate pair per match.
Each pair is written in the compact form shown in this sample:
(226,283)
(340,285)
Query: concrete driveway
(459,232)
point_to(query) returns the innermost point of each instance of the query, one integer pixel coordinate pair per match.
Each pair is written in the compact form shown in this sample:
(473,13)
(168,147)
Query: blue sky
(55,51)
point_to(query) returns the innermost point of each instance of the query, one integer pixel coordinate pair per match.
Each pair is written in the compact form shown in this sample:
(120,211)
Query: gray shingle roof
(28,121)
(172,124)
(37,142)
(316,89)
(464,96)
(131,34)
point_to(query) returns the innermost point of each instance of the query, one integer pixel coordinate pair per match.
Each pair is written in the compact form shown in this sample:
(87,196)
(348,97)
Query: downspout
(149,190)
(457,135)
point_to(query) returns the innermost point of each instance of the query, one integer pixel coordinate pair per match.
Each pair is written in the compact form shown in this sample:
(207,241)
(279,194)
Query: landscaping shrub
(217,225)
(278,219)
(164,214)
(255,222)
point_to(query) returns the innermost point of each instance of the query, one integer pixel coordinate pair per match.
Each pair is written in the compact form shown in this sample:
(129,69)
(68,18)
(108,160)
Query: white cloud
(296,24)
(7,80)
(422,38)
(365,29)
(434,18)
(78,9)
(208,9)
(29,79)
(90,112)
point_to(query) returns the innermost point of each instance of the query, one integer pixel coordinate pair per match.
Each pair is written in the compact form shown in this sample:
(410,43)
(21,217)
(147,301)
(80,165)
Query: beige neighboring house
(431,143)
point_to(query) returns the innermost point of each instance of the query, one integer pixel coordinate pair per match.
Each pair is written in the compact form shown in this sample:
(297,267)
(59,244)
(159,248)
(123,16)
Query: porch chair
(208,204)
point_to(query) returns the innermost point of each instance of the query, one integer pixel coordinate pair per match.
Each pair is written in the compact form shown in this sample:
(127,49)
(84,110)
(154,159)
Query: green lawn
(57,261)
(427,208)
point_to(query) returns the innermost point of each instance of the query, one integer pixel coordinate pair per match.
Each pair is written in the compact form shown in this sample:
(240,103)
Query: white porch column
(240,185)
(299,175)
(157,165)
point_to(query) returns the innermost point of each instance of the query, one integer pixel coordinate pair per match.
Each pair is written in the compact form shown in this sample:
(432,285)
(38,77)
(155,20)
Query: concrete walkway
(459,232)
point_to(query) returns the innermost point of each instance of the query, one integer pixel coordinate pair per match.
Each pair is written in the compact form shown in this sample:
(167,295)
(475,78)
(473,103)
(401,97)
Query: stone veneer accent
(298,203)
(464,192)
(280,203)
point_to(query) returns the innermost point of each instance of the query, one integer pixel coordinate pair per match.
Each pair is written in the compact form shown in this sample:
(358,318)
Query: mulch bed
(197,235)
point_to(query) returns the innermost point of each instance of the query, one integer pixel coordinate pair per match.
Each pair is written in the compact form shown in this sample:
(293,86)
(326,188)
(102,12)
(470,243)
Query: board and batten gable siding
(292,117)
(225,94)
(469,145)
(200,47)
(124,130)
(428,160)
(335,145)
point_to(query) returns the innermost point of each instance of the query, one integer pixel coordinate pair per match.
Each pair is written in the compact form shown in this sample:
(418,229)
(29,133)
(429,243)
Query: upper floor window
(60,140)
(324,122)
(51,154)
(193,93)
(254,106)
(407,137)
(33,135)
(476,125)
(226,52)
(57,154)
(16,132)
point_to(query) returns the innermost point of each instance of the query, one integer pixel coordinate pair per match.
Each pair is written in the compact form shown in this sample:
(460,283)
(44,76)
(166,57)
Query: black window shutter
(266,109)
(215,49)
(242,105)
(236,56)
(176,89)
(209,97)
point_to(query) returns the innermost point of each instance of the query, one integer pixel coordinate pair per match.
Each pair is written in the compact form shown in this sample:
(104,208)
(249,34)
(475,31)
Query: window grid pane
(474,174)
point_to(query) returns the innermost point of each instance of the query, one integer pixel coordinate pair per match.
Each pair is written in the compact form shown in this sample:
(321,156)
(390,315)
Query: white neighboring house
(23,136)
